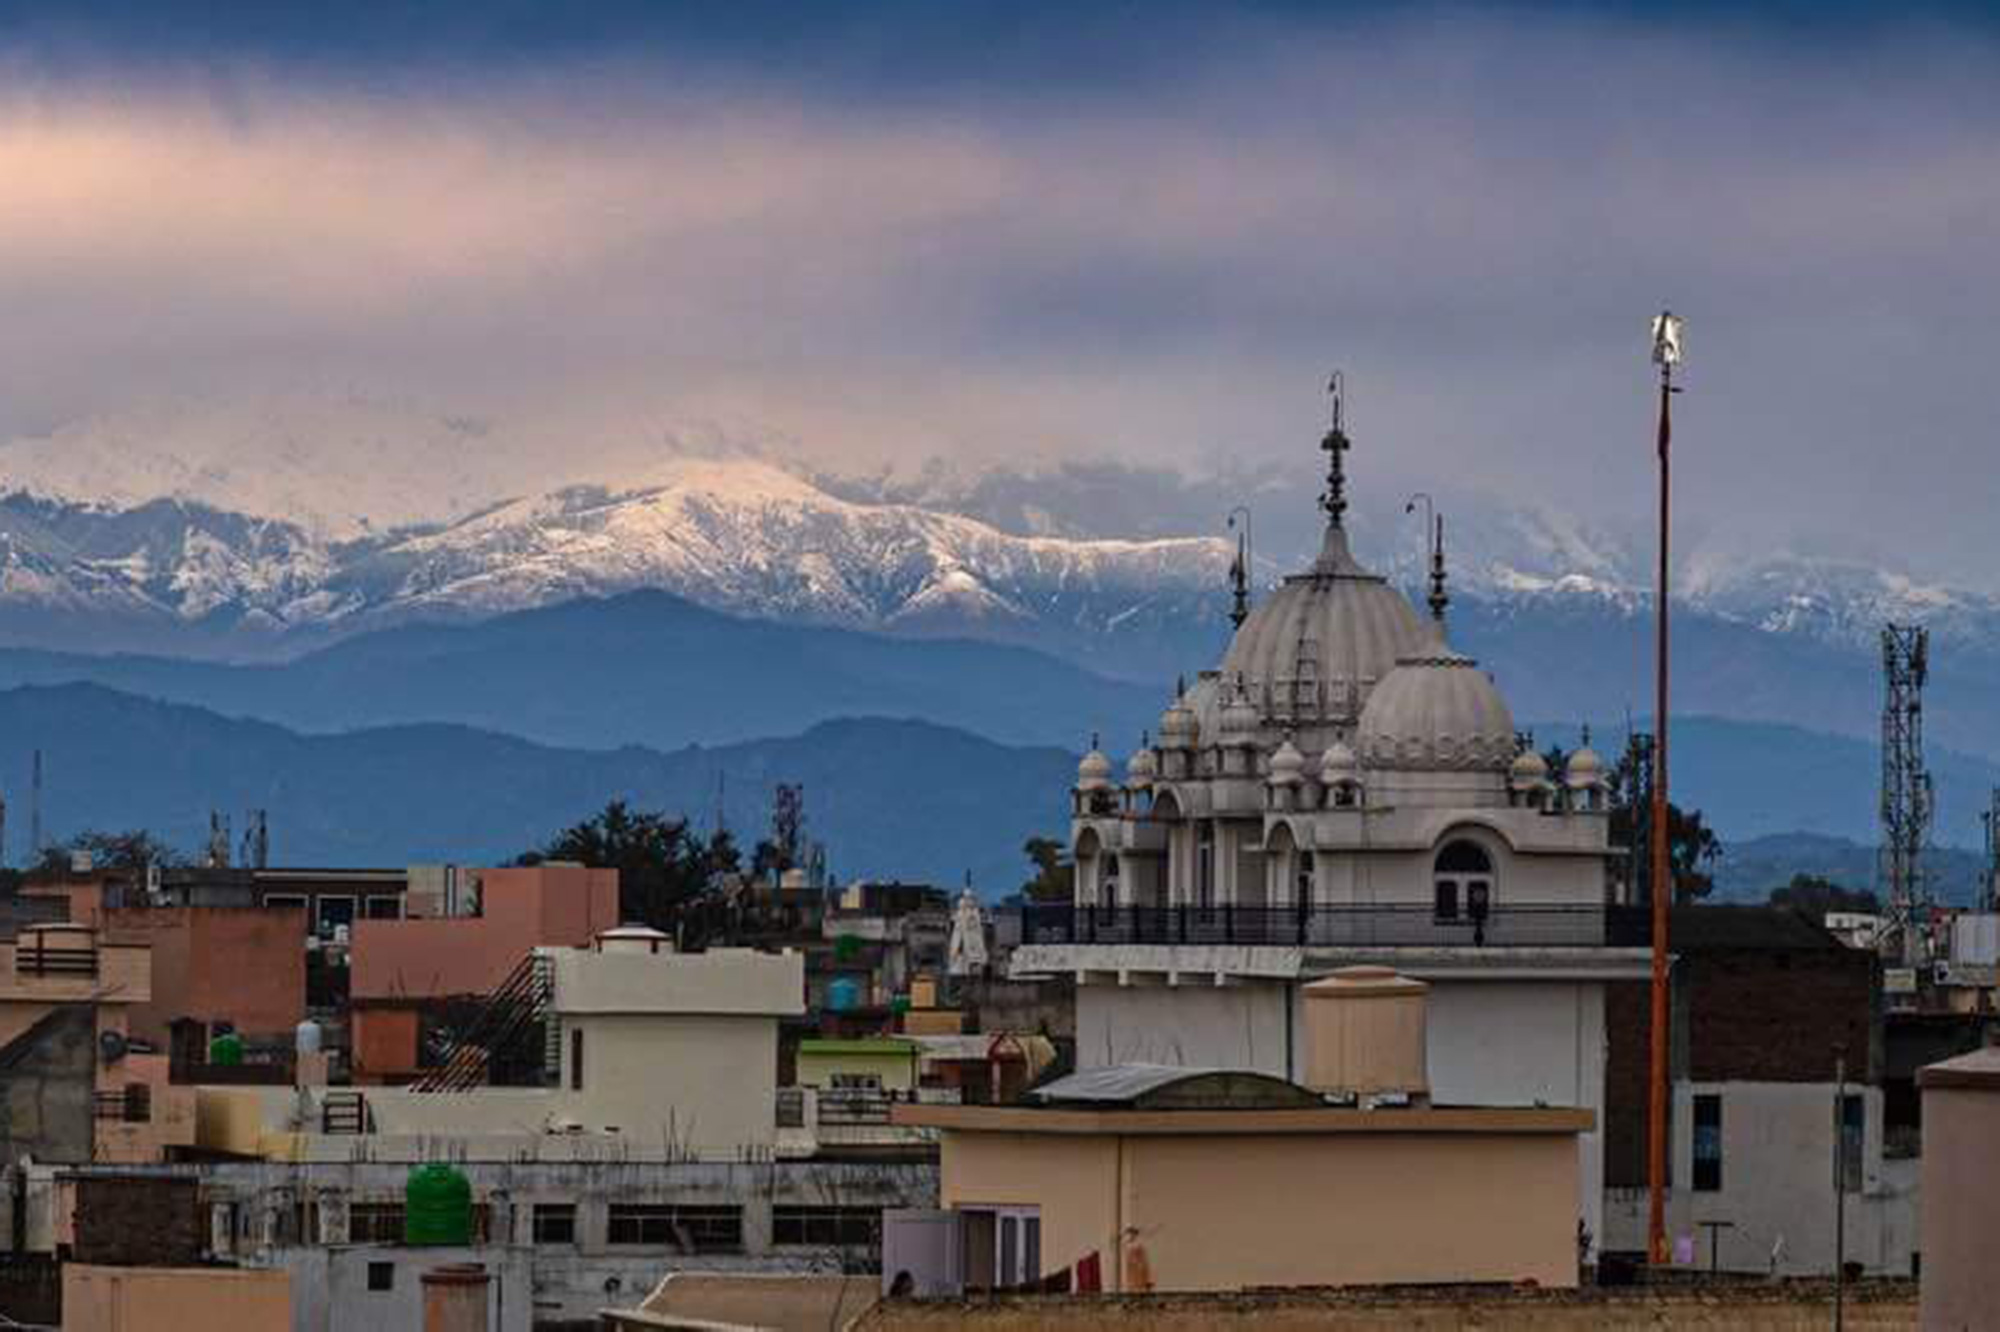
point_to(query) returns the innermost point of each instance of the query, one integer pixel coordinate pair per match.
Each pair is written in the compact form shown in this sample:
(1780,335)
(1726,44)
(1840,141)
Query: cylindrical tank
(843,994)
(306,1038)
(226,1050)
(1365,1033)
(437,1206)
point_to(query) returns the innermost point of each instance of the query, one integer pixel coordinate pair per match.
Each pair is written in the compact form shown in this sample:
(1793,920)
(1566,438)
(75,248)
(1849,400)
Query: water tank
(226,1050)
(305,1040)
(843,994)
(1364,1033)
(437,1206)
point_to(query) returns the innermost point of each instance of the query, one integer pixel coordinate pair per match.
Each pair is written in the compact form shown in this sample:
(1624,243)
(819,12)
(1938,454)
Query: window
(555,1223)
(381,1276)
(1107,892)
(576,1060)
(1707,1142)
(684,1229)
(385,907)
(1853,1137)
(1305,884)
(278,900)
(333,913)
(1204,866)
(375,1223)
(856,1081)
(846,1227)
(1462,878)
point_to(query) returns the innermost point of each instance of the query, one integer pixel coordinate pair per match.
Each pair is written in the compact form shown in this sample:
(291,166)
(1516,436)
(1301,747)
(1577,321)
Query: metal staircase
(511,1039)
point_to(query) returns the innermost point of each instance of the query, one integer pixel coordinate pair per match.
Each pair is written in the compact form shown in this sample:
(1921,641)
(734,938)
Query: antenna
(1906,805)
(1991,818)
(3,831)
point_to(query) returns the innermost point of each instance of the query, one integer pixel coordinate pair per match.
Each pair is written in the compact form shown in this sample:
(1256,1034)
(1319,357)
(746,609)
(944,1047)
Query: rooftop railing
(1507,925)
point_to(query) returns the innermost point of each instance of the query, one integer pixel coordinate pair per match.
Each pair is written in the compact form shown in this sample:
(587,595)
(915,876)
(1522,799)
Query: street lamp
(1667,354)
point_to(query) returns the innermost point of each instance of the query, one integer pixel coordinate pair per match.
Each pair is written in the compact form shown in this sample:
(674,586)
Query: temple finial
(1239,570)
(1439,598)
(1336,444)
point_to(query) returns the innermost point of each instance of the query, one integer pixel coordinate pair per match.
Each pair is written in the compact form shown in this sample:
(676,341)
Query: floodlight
(1667,339)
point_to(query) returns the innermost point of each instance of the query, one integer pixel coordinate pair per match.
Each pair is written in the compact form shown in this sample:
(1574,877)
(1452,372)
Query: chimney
(455,1298)
(1364,1029)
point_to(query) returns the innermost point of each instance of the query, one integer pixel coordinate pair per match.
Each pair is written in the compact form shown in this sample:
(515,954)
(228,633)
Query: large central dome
(1321,641)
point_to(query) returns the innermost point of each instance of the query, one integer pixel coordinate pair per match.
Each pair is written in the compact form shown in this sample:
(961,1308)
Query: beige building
(1152,1177)
(174,1299)
(1960,1194)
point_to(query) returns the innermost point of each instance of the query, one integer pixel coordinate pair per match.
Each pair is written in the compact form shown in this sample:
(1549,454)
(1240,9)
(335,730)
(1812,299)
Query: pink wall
(522,908)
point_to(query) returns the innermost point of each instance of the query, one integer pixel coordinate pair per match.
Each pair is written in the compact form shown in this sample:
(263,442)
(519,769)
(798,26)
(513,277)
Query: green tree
(665,871)
(1812,895)
(1692,846)
(1055,873)
(129,851)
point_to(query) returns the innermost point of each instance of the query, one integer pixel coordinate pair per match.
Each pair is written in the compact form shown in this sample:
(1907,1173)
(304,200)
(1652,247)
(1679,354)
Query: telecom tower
(1989,899)
(1906,787)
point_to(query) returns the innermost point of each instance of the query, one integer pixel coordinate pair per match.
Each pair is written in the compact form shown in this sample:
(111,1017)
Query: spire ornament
(1336,444)
(1439,598)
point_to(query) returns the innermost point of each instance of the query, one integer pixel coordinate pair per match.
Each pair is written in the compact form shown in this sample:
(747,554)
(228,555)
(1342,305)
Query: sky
(874,235)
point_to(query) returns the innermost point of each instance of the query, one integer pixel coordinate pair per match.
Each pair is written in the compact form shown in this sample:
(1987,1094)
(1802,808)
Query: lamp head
(1667,339)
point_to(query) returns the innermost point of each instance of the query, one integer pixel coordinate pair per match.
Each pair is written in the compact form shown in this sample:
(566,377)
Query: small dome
(1288,766)
(1339,764)
(1584,768)
(1437,710)
(1178,727)
(1094,772)
(1142,768)
(1239,716)
(1529,768)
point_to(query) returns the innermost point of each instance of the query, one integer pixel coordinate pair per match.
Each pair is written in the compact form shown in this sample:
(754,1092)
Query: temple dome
(1437,709)
(1094,772)
(1288,765)
(1353,625)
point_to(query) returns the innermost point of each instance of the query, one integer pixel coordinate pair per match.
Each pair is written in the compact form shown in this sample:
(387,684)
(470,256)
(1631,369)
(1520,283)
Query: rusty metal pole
(1660,878)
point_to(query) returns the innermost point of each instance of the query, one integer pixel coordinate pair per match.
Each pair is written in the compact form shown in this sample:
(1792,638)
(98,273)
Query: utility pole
(1906,786)
(1839,1185)
(1666,355)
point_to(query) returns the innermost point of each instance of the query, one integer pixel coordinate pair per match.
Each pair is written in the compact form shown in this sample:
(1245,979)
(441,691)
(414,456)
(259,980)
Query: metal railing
(1508,925)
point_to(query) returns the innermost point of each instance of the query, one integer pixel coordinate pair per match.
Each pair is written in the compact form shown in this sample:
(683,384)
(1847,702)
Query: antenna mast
(1991,818)
(1906,786)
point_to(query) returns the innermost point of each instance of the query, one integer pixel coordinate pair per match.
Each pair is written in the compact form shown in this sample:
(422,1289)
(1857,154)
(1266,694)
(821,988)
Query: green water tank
(437,1206)
(226,1050)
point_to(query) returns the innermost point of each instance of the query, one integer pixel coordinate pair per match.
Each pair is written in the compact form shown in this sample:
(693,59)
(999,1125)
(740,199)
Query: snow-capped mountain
(244,528)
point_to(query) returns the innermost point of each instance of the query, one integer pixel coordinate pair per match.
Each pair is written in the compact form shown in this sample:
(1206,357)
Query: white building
(1344,788)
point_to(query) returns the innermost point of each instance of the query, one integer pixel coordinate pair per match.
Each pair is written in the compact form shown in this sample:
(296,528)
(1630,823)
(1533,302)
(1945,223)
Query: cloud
(1475,217)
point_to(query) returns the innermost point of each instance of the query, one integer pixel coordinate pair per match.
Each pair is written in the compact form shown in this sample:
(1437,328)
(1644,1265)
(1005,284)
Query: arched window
(1462,882)
(1107,881)
(1304,887)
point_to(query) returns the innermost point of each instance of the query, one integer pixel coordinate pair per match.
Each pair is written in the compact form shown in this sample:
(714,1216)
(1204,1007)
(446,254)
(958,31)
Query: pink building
(399,965)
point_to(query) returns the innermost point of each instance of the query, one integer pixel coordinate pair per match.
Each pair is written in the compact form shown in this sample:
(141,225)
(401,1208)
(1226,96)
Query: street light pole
(1666,355)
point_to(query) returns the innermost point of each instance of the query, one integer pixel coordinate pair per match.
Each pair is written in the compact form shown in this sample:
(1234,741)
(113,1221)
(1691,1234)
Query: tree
(1813,896)
(1055,873)
(664,870)
(129,851)
(1692,846)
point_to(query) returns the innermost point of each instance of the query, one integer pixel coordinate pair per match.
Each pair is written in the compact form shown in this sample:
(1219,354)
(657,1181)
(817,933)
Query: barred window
(843,1226)
(555,1223)
(682,1228)
(375,1223)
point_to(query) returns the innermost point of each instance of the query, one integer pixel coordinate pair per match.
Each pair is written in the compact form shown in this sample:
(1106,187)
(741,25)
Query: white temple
(1344,788)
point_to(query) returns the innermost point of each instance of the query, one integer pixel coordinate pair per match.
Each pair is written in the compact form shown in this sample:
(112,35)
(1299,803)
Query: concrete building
(1344,788)
(881,1063)
(245,966)
(1154,1177)
(1764,1004)
(1961,1205)
(176,1299)
(400,968)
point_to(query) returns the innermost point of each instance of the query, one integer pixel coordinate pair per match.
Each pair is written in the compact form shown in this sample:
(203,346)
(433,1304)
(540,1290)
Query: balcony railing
(1511,925)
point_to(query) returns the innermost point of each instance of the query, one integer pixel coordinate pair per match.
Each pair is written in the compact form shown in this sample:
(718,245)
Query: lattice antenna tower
(1906,784)
(1990,899)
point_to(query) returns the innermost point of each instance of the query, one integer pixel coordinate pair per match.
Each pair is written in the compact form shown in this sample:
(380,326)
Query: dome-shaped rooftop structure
(1349,624)
(1178,727)
(1142,768)
(1339,764)
(1093,773)
(1288,765)
(1529,768)
(1584,768)
(1437,710)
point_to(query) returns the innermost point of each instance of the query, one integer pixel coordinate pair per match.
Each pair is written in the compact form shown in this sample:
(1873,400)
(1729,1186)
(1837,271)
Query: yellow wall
(1219,1212)
(165,1299)
(896,1068)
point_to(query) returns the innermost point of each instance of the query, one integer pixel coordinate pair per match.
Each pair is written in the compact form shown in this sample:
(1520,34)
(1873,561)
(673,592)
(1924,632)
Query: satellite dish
(111,1045)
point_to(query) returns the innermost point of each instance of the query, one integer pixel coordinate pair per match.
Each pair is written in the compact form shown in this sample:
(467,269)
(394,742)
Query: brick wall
(139,1222)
